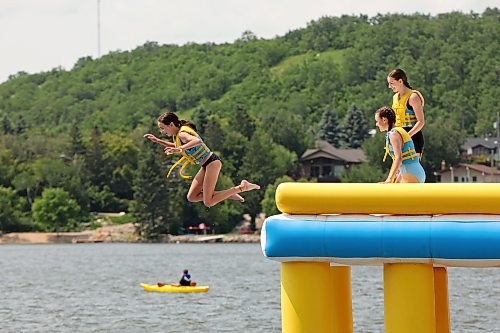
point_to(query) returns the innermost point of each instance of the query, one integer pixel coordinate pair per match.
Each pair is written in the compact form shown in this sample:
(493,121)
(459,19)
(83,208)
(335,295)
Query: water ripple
(95,288)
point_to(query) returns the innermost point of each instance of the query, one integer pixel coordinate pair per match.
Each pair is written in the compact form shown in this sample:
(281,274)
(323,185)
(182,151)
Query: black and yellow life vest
(193,155)
(405,117)
(408,152)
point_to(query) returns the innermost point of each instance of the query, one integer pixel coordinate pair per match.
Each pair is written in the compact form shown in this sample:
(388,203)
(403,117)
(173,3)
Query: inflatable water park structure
(415,231)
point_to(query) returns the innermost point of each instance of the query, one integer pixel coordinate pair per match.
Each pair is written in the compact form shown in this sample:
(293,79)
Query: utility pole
(98,28)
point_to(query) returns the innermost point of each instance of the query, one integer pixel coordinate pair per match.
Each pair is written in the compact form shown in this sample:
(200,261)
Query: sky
(38,35)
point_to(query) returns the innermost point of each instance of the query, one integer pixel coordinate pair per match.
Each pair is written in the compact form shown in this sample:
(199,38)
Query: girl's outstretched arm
(153,138)
(190,142)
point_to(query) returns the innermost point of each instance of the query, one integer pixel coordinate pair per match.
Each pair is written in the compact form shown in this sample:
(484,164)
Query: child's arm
(190,140)
(153,138)
(397,144)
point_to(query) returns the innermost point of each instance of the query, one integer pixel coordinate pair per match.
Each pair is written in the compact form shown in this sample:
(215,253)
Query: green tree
(200,119)
(363,173)
(21,125)
(26,182)
(224,216)
(55,210)
(150,195)
(374,149)
(120,155)
(6,125)
(7,167)
(10,210)
(263,163)
(443,142)
(94,160)
(213,134)
(242,121)
(269,202)
(355,129)
(77,146)
(329,127)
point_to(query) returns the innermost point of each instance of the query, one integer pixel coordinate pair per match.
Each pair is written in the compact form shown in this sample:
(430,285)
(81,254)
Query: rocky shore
(123,233)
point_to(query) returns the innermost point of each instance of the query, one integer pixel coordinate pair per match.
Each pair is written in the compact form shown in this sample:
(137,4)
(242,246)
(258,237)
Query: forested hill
(259,102)
(452,58)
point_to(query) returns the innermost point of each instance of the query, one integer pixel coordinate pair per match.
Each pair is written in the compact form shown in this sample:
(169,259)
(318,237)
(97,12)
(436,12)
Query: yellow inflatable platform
(408,199)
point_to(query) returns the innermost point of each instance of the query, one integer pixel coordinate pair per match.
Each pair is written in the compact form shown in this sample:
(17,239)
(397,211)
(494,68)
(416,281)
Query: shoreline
(124,233)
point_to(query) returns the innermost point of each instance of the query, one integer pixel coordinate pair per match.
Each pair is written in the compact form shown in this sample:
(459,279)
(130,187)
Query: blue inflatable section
(285,237)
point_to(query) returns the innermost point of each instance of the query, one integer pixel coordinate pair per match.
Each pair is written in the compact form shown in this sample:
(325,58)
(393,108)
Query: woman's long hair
(399,74)
(170,117)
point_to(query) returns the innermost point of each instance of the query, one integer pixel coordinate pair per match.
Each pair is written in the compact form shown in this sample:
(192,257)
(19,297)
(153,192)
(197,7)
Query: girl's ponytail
(170,117)
(399,74)
(188,123)
(389,114)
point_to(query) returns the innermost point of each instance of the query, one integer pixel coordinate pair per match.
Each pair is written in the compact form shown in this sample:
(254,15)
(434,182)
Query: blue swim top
(408,150)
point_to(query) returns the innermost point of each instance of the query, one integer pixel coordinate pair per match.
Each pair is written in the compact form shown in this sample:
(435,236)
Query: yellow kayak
(174,289)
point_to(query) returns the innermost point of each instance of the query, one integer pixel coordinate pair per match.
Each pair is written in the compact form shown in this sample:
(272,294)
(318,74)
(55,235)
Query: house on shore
(481,150)
(468,173)
(327,163)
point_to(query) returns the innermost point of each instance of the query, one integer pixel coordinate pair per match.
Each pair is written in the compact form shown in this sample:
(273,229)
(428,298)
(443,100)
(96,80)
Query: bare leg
(408,178)
(237,197)
(397,177)
(195,192)
(210,196)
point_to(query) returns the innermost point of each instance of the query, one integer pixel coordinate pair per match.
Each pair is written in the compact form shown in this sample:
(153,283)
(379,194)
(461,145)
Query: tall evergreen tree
(10,209)
(214,135)
(6,125)
(21,125)
(242,121)
(200,119)
(77,146)
(94,160)
(355,129)
(150,195)
(329,127)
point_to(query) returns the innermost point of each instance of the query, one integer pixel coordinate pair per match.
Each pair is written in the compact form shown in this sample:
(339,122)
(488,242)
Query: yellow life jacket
(408,153)
(405,117)
(193,155)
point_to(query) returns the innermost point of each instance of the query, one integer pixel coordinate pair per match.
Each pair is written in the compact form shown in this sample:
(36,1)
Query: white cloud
(40,35)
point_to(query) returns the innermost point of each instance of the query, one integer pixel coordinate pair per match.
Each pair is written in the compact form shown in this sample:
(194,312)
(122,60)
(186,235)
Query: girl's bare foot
(237,197)
(247,186)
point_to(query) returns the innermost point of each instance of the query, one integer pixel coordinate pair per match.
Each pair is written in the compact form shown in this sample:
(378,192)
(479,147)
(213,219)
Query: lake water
(95,288)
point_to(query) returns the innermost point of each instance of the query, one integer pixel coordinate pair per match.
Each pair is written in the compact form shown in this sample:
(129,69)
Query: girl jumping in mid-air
(188,143)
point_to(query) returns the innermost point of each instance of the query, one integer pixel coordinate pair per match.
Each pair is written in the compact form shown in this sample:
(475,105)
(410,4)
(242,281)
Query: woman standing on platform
(408,104)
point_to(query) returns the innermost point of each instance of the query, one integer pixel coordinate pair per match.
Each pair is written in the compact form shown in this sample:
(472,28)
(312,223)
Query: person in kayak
(190,145)
(185,279)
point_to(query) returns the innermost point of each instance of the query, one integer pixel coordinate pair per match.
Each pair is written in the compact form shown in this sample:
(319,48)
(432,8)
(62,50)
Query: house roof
(477,167)
(485,142)
(326,150)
